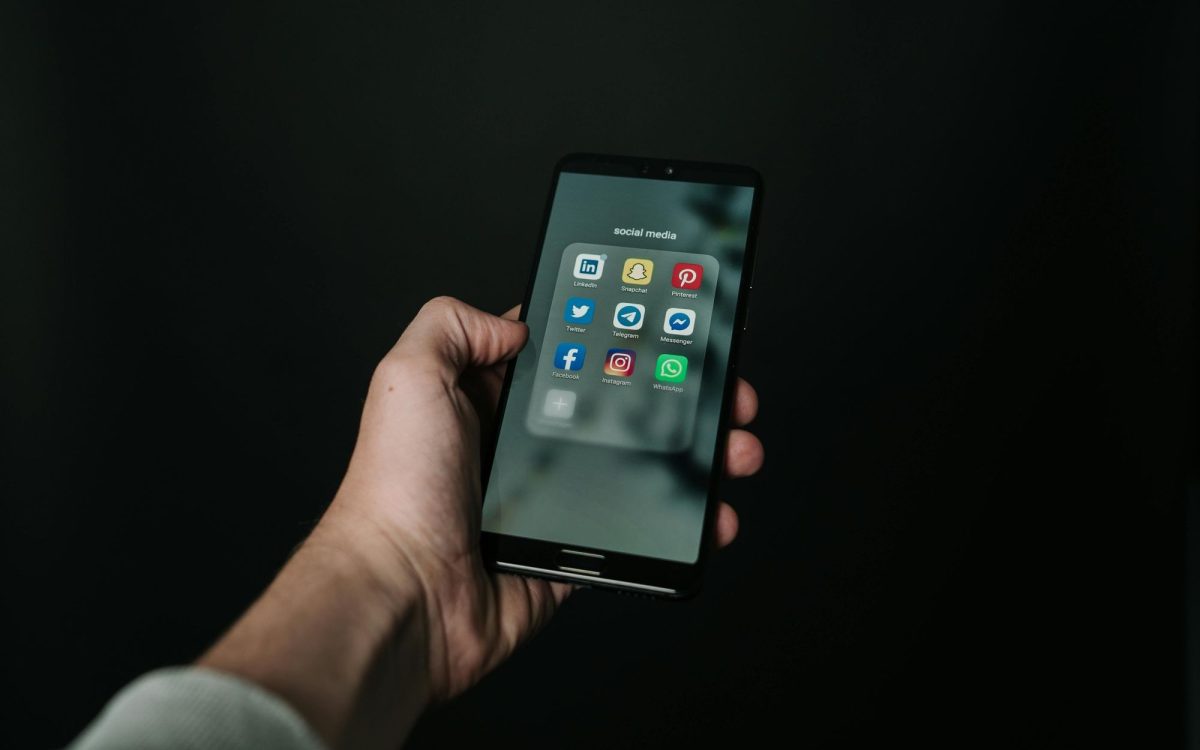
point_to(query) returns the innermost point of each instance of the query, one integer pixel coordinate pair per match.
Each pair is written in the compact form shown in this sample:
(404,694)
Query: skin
(386,608)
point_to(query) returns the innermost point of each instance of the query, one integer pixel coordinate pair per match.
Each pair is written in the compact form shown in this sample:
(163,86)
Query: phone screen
(612,416)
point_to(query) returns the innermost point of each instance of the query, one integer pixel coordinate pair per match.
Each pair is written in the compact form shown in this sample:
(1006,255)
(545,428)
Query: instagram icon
(619,362)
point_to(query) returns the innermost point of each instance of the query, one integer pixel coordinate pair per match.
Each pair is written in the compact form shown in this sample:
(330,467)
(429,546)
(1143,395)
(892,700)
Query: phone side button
(576,561)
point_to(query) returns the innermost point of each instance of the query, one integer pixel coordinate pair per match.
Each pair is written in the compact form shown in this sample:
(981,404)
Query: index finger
(745,403)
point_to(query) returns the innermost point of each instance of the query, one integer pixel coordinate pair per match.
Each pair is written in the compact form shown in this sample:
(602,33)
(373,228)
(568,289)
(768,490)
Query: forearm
(344,645)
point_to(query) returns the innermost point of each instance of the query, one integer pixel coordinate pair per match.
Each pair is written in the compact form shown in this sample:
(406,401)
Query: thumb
(457,336)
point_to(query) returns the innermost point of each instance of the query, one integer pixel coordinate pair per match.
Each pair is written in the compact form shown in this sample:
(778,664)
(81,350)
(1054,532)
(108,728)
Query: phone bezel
(631,573)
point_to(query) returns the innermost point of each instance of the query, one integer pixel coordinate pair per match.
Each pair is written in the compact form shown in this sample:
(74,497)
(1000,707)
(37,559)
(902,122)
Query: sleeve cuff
(193,707)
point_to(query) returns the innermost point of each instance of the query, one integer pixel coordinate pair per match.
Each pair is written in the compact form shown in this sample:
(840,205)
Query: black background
(971,332)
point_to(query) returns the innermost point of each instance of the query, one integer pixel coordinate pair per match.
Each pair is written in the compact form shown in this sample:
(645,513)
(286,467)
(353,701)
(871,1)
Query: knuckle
(441,306)
(445,314)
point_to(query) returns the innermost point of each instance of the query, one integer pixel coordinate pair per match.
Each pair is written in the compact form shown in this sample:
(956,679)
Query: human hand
(387,606)
(415,481)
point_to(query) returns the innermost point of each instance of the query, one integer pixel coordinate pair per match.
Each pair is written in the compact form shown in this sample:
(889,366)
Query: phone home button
(577,561)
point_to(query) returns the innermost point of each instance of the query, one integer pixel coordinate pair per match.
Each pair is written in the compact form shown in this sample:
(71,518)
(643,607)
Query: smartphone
(611,434)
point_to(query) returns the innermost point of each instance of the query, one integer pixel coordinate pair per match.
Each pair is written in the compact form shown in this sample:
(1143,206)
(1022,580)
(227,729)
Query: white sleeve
(192,707)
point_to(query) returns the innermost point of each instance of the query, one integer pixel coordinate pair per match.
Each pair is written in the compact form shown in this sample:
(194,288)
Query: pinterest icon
(687,275)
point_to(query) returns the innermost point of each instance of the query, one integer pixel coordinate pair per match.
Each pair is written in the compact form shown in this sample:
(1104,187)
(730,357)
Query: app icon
(579,310)
(629,315)
(569,356)
(619,362)
(670,368)
(637,271)
(559,404)
(589,266)
(687,275)
(680,321)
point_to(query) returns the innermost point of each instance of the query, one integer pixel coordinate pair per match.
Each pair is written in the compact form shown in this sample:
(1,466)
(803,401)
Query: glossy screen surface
(611,421)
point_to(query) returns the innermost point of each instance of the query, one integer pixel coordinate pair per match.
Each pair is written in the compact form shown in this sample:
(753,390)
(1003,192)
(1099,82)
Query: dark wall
(972,337)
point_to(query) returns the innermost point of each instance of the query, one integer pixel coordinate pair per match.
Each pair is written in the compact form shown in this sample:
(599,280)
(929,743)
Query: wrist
(340,637)
(385,599)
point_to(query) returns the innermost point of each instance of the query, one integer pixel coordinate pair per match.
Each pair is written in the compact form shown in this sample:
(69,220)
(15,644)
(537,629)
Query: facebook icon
(569,356)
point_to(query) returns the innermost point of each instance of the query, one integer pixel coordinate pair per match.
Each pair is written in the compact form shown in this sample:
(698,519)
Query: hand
(415,476)
(404,527)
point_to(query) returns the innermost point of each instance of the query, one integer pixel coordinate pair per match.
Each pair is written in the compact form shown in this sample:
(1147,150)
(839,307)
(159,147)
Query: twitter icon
(579,311)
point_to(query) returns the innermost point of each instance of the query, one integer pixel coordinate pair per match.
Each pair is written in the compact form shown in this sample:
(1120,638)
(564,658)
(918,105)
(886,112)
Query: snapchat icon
(637,271)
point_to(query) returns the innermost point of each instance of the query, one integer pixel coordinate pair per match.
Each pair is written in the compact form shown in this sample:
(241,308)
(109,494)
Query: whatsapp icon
(670,368)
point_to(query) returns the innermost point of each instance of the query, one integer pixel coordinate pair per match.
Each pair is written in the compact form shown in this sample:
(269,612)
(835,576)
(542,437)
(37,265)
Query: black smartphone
(610,440)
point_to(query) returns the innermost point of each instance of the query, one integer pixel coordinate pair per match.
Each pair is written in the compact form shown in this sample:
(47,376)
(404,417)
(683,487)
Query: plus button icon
(559,404)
